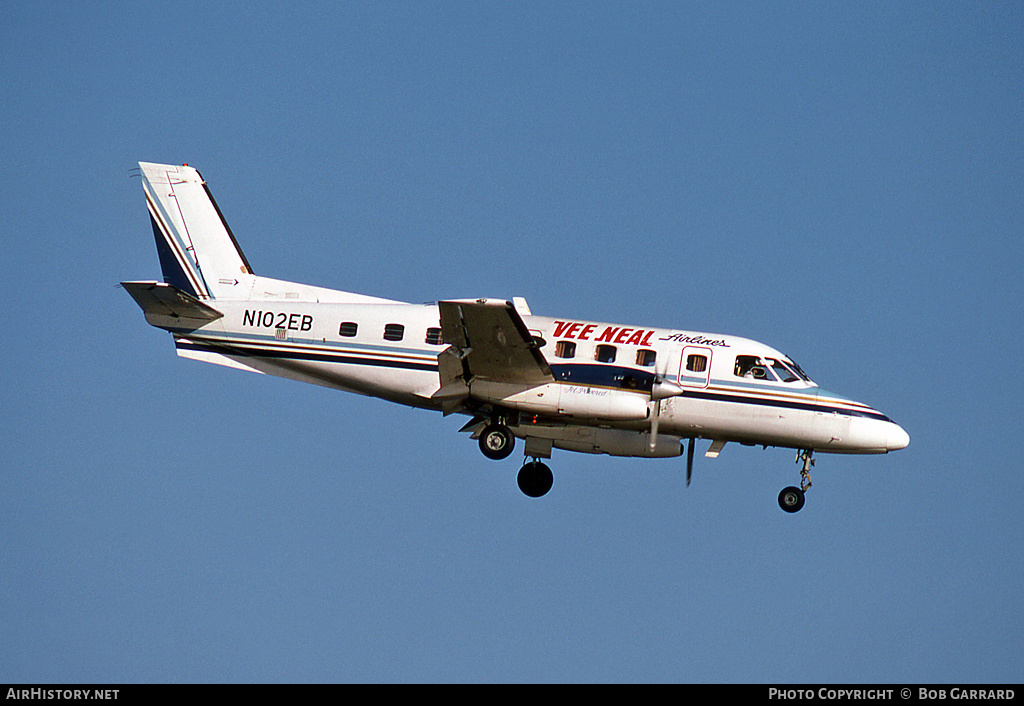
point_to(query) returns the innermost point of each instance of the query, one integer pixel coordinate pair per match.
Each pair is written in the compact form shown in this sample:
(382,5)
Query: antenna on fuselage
(689,460)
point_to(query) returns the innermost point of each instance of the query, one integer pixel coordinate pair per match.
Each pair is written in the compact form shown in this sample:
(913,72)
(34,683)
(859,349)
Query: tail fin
(198,252)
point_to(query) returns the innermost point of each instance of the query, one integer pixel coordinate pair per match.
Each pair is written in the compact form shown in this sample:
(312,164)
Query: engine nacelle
(558,399)
(596,440)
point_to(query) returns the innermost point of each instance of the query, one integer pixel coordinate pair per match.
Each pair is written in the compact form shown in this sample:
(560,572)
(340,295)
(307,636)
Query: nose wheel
(791,499)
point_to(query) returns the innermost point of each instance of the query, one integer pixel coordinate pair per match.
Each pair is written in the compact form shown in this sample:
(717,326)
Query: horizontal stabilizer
(167,304)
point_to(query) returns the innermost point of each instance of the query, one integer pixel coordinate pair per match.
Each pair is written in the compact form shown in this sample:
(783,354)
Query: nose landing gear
(791,499)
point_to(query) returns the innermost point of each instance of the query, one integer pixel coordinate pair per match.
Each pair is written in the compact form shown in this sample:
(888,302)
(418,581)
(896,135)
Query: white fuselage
(611,381)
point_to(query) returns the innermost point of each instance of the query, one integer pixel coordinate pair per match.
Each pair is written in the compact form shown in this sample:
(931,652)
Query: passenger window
(605,354)
(696,363)
(646,357)
(434,336)
(348,329)
(565,349)
(394,332)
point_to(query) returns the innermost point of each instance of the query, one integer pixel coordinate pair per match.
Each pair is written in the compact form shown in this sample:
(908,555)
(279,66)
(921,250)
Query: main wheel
(791,499)
(497,442)
(535,479)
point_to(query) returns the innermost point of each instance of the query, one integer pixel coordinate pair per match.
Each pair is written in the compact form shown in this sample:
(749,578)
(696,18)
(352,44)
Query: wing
(493,343)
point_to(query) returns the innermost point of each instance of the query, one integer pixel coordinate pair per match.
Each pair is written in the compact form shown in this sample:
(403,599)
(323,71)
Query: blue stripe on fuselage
(293,354)
(610,376)
(604,376)
(786,404)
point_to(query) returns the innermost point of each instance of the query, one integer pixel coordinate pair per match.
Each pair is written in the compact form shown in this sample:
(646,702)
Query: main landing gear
(791,499)
(497,442)
(535,479)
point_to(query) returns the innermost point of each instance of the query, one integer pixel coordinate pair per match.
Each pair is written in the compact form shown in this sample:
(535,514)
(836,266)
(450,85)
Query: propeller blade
(689,461)
(655,420)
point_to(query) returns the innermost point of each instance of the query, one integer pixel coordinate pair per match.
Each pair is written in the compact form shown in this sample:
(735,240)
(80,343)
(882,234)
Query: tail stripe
(175,264)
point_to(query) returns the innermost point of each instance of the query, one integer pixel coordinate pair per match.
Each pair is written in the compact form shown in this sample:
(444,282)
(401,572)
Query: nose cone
(896,438)
(869,432)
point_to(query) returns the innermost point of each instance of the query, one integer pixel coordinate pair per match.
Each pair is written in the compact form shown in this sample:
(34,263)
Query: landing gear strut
(791,499)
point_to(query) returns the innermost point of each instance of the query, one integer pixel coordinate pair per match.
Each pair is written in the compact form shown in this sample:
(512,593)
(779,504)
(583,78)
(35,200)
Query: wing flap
(492,341)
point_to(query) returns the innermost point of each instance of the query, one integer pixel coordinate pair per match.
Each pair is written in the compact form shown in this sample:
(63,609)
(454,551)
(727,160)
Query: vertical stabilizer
(198,252)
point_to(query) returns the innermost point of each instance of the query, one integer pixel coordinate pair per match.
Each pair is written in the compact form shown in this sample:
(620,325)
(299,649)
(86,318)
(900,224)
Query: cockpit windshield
(781,371)
(791,364)
(770,369)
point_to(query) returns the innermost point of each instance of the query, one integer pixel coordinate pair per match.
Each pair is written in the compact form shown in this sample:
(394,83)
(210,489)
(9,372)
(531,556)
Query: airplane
(553,383)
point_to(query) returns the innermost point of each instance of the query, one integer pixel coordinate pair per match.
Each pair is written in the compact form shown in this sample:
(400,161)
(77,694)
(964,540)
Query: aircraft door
(695,366)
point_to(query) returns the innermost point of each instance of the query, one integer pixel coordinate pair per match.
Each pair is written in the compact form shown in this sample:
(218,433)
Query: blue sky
(842,181)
